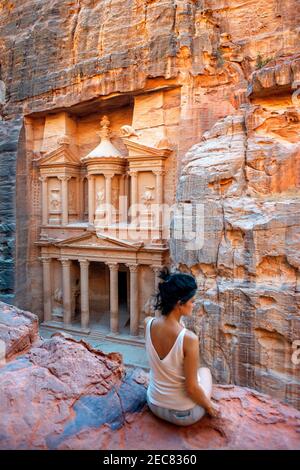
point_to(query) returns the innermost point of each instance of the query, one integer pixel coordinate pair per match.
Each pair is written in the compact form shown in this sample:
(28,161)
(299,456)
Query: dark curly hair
(176,287)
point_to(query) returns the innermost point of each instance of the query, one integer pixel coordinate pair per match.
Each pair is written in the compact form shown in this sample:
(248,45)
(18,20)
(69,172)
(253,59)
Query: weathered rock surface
(63,394)
(9,136)
(18,331)
(278,76)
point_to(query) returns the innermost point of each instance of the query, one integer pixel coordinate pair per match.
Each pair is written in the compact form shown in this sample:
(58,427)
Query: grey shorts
(179,417)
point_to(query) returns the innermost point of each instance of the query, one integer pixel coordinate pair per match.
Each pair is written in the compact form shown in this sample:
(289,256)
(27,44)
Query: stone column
(126,192)
(159,196)
(159,186)
(84,292)
(108,179)
(80,198)
(123,199)
(64,199)
(66,281)
(47,288)
(114,297)
(91,198)
(156,269)
(45,210)
(126,186)
(134,312)
(122,185)
(134,196)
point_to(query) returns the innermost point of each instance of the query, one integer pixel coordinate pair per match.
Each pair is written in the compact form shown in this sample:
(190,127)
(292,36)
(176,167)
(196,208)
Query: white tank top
(167,381)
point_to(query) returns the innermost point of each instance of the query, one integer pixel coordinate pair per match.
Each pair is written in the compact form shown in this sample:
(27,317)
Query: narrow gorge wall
(234,127)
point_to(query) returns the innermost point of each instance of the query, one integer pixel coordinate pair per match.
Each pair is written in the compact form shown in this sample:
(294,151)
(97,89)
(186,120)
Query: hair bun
(176,287)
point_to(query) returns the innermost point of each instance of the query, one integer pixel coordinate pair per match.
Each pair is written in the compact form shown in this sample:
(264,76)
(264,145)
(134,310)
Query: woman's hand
(214,410)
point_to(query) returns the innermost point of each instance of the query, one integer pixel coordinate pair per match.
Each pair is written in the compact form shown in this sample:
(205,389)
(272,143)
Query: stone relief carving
(58,298)
(147,195)
(128,131)
(99,198)
(63,140)
(55,199)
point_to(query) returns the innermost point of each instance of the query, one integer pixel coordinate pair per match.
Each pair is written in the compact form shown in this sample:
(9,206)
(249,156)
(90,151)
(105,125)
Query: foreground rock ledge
(63,394)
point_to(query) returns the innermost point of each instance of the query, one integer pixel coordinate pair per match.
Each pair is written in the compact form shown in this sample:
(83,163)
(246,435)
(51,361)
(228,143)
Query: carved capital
(133,173)
(113,266)
(43,179)
(65,262)
(133,268)
(45,260)
(109,175)
(64,178)
(84,263)
(159,172)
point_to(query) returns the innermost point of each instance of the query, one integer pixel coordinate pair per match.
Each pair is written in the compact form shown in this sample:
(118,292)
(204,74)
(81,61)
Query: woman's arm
(191,366)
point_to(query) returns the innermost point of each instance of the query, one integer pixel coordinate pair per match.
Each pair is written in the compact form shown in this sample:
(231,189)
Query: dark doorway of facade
(124,316)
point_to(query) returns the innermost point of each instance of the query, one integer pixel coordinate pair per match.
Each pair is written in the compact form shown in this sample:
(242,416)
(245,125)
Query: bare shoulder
(191,336)
(191,340)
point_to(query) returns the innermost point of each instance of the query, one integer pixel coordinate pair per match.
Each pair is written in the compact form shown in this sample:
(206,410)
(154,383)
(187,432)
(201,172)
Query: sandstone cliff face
(236,66)
(245,172)
(63,394)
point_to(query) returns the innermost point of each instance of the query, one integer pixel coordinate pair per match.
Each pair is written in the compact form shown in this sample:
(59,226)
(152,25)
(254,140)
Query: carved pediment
(118,242)
(137,149)
(99,241)
(61,156)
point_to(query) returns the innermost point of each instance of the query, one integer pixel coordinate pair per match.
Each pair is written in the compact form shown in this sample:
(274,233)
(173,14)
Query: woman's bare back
(163,336)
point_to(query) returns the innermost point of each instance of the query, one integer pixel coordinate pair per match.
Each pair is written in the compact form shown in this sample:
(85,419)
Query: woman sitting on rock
(179,391)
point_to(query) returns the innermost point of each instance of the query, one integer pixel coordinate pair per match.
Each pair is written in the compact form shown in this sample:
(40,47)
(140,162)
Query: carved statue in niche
(99,201)
(99,198)
(147,196)
(55,200)
(58,298)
